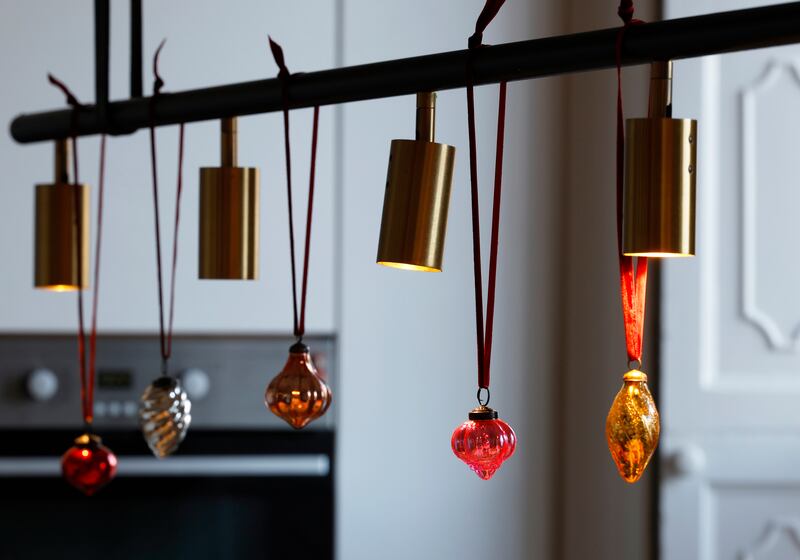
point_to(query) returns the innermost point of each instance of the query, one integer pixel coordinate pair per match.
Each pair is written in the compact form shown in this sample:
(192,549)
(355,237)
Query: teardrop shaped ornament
(298,394)
(632,426)
(164,415)
(88,465)
(483,442)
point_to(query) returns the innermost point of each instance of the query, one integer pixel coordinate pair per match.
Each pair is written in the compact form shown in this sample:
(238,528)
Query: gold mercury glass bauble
(632,426)
(164,415)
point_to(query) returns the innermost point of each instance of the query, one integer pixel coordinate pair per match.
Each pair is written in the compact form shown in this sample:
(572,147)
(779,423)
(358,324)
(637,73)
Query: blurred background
(398,347)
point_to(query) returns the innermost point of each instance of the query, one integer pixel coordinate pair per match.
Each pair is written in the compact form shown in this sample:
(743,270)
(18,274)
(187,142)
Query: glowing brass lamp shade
(660,177)
(228,215)
(417,197)
(56,265)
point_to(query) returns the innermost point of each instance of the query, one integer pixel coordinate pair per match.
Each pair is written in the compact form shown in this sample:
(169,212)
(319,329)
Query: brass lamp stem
(426,116)
(660,89)
(229,141)
(63,158)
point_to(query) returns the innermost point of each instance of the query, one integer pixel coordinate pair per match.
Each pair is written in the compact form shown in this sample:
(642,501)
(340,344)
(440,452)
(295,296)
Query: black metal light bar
(672,39)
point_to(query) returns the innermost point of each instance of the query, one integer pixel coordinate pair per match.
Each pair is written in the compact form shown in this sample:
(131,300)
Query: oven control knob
(41,384)
(196,383)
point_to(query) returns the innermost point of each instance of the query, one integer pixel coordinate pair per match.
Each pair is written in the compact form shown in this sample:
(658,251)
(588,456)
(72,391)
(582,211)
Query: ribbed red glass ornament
(88,465)
(484,442)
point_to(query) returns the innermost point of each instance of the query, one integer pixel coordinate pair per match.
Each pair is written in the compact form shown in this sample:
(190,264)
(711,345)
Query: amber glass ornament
(632,426)
(164,415)
(484,442)
(298,394)
(88,465)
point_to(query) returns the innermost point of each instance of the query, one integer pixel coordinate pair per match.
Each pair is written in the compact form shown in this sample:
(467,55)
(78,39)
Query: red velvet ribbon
(484,338)
(632,272)
(165,325)
(284,75)
(87,371)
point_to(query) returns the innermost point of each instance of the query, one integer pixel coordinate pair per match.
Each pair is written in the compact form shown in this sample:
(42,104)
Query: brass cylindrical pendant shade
(417,197)
(229,203)
(660,178)
(56,265)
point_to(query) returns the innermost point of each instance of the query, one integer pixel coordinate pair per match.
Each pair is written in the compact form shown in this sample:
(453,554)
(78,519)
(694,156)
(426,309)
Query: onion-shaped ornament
(298,394)
(88,465)
(164,415)
(484,442)
(632,426)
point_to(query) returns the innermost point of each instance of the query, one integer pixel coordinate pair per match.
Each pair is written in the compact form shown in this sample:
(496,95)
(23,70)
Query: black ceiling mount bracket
(136,48)
(102,24)
(594,50)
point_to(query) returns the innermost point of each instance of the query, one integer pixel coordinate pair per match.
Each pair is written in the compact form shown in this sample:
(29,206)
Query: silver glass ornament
(164,415)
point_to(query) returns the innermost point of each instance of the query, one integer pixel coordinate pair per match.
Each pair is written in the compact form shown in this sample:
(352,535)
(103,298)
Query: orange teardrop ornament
(298,394)
(632,426)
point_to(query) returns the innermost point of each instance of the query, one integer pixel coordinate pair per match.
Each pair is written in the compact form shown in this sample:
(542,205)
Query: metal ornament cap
(484,442)
(88,465)
(164,415)
(417,197)
(632,427)
(298,394)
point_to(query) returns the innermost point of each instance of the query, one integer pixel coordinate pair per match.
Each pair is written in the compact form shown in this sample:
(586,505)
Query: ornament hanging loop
(635,364)
(482,402)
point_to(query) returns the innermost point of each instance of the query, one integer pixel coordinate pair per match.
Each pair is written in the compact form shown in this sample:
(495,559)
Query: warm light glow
(406,266)
(85,452)
(657,255)
(59,287)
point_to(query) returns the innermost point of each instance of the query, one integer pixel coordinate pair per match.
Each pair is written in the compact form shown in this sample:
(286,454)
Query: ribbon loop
(625,11)
(284,74)
(486,16)
(632,272)
(86,370)
(484,337)
(165,325)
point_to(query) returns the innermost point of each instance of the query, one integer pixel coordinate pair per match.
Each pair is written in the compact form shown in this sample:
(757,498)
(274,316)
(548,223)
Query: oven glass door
(225,495)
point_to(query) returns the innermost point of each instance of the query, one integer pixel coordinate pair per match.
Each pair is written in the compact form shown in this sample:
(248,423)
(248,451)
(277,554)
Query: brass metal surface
(229,215)
(56,265)
(56,256)
(660,177)
(417,197)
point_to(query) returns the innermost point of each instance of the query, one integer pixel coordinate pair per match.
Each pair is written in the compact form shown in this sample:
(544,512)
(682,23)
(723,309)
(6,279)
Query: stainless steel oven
(242,485)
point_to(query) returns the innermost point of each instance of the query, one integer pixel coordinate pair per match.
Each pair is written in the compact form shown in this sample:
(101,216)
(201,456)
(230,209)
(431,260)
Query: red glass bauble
(88,465)
(483,442)
(298,394)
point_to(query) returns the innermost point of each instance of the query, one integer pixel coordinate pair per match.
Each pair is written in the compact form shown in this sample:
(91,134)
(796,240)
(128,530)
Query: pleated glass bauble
(484,442)
(88,465)
(632,427)
(298,394)
(164,415)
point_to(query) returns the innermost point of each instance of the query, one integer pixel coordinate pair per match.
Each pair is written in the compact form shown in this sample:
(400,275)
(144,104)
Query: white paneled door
(730,397)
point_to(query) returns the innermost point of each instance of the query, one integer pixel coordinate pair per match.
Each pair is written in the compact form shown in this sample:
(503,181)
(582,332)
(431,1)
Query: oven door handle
(182,466)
